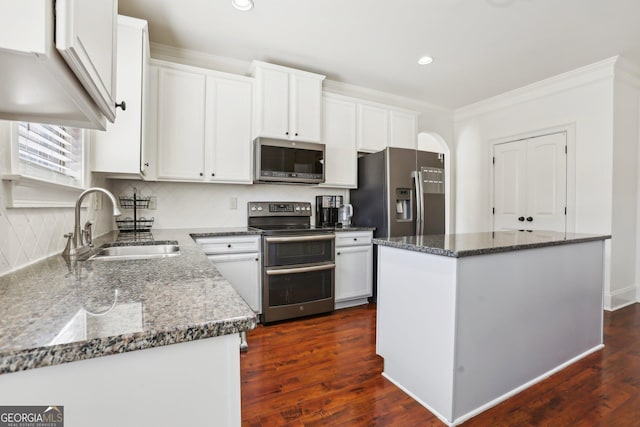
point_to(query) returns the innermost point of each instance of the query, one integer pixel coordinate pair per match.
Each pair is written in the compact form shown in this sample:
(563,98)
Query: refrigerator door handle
(417,178)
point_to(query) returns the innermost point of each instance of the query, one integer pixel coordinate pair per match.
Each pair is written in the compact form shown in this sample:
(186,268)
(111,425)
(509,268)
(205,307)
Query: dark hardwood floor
(323,371)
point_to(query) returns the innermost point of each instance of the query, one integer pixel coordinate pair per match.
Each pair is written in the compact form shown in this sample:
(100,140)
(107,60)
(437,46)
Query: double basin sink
(125,251)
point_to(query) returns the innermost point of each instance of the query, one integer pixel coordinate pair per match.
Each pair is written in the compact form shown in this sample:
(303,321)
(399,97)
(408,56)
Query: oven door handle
(307,238)
(309,269)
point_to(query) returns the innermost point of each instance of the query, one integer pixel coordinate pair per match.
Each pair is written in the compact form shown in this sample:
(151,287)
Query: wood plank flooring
(323,371)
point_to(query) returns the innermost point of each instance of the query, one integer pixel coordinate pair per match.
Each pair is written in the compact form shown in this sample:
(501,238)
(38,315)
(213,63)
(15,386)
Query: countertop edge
(484,251)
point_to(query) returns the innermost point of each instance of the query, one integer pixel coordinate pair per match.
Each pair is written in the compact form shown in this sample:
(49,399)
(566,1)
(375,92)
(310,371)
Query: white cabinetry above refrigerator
(58,61)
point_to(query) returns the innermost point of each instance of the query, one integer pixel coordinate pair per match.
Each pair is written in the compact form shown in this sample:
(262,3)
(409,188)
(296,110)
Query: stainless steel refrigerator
(400,192)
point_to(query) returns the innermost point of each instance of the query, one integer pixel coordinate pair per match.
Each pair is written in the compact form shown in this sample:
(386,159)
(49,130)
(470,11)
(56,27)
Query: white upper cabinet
(381,126)
(122,150)
(58,61)
(86,36)
(403,129)
(373,128)
(340,129)
(288,102)
(202,124)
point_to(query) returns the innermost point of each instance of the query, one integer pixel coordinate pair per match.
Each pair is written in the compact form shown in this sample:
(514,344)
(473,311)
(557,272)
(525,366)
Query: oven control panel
(279,209)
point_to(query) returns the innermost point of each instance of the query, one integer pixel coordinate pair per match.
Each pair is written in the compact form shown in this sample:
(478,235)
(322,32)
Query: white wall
(603,112)
(187,205)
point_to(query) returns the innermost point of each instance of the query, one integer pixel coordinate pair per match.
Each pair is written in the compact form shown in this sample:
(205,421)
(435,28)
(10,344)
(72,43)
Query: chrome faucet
(80,241)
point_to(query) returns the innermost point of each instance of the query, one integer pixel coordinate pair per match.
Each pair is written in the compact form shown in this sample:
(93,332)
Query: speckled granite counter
(55,312)
(469,244)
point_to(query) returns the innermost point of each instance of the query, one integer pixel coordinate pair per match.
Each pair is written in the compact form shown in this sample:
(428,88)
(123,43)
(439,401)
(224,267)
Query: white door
(340,121)
(273,97)
(243,272)
(354,272)
(373,129)
(305,108)
(181,124)
(230,153)
(530,184)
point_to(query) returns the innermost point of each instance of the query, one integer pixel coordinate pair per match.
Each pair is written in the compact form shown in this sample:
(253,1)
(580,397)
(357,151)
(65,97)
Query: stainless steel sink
(125,252)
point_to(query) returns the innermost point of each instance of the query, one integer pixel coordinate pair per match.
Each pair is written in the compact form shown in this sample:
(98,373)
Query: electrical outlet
(153,202)
(234,203)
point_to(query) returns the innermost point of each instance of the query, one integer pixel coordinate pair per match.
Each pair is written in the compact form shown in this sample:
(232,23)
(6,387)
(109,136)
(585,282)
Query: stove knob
(253,208)
(297,208)
(308,208)
(259,208)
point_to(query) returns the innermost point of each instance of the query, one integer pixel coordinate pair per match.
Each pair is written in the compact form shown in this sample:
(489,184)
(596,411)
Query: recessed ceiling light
(425,60)
(242,4)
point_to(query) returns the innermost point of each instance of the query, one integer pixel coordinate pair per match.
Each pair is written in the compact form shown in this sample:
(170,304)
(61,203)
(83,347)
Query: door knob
(529,219)
(521,219)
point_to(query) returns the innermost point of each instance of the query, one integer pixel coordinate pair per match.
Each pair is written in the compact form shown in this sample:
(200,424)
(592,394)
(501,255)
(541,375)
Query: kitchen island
(126,342)
(465,321)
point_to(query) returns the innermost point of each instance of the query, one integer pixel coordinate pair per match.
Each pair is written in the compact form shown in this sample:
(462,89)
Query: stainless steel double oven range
(298,272)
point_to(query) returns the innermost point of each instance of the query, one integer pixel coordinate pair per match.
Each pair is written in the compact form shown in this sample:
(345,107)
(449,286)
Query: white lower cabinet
(354,268)
(238,259)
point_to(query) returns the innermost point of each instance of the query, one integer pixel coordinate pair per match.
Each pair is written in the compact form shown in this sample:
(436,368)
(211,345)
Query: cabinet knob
(296,133)
(355,239)
(257,259)
(521,219)
(338,253)
(286,133)
(122,105)
(146,164)
(529,218)
(201,174)
(229,246)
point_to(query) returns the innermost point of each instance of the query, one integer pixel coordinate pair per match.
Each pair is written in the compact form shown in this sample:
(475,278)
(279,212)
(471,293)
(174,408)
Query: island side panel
(416,323)
(193,383)
(521,315)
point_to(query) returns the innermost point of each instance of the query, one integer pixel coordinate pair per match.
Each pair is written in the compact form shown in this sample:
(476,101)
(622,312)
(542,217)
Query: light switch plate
(153,202)
(234,203)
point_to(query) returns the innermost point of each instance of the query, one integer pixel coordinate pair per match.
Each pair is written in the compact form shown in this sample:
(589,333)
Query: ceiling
(481,48)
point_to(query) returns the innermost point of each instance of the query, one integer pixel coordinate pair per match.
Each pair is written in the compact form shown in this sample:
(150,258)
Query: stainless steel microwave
(283,161)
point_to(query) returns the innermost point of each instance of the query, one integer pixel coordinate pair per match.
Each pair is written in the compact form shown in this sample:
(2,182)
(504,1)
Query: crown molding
(627,72)
(579,77)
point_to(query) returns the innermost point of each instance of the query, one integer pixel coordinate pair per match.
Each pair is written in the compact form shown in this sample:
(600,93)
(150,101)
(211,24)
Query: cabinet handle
(530,219)
(122,105)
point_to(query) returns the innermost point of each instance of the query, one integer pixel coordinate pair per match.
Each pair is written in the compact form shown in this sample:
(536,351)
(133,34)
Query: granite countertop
(469,244)
(56,311)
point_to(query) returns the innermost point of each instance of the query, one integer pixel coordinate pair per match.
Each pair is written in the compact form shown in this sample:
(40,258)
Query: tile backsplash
(186,205)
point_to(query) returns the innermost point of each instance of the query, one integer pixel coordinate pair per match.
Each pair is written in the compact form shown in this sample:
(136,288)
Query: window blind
(50,151)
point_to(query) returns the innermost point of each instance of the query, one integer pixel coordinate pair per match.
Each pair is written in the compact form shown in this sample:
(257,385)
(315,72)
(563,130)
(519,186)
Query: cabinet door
(354,272)
(118,149)
(86,37)
(340,121)
(243,272)
(373,130)
(403,130)
(181,124)
(305,108)
(273,100)
(230,152)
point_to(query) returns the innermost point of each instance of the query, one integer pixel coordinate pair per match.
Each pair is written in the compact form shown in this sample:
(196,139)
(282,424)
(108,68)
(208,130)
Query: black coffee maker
(327,210)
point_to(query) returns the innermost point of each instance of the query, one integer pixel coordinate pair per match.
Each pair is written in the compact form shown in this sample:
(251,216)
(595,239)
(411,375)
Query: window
(50,152)
(46,164)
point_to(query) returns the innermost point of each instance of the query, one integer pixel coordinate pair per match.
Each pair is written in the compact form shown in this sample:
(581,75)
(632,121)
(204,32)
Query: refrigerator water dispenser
(404,204)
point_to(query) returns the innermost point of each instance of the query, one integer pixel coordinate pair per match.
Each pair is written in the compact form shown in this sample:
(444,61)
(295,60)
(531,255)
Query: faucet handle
(67,249)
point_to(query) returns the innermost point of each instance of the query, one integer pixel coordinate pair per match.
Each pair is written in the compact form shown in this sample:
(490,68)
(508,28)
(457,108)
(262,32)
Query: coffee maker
(327,210)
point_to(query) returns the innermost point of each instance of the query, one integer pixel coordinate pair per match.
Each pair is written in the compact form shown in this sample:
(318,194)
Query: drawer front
(353,238)
(229,244)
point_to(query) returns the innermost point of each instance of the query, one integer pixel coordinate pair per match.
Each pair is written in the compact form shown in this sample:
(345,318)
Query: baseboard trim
(621,298)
